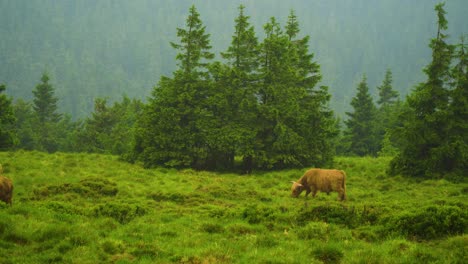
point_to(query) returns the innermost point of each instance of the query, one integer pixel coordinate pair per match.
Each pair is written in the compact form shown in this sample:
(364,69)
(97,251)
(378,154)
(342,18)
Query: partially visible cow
(6,188)
(315,180)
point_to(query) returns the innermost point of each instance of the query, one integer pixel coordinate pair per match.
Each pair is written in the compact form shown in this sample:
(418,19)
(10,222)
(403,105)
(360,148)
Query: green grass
(87,208)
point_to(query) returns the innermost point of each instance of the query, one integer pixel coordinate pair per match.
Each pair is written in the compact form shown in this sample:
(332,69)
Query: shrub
(338,214)
(112,247)
(430,222)
(171,197)
(255,214)
(212,228)
(146,250)
(328,254)
(314,230)
(241,229)
(120,211)
(89,187)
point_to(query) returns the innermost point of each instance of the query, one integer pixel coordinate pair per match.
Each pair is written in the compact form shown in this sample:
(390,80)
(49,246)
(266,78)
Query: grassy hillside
(86,208)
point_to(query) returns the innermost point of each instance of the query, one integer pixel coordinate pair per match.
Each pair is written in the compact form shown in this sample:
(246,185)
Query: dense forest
(263,105)
(94,49)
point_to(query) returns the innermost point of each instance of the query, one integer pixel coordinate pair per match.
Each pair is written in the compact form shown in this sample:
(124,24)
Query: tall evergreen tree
(7,121)
(457,148)
(45,102)
(424,142)
(194,45)
(173,128)
(361,126)
(25,124)
(47,118)
(386,116)
(234,102)
(313,100)
(242,53)
(295,125)
(387,95)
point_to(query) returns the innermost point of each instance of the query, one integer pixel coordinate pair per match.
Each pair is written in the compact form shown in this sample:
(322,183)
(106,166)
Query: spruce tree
(25,124)
(47,117)
(235,103)
(7,120)
(424,146)
(315,120)
(360,137)
(296,127)
(45,102)
(387,95)
(172,131)
(386,116)
(457,148)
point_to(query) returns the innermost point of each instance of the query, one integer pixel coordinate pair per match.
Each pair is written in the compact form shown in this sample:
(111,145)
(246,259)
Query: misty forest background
(105,77)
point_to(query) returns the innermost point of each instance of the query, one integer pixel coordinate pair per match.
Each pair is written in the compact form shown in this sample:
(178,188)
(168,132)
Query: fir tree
(424,146)
(387,95)
(7,121)
(47,118)
(296,127)
(234,103)
(173,129)
(45,102)
(386,118)
(457,148)
(25,119)
(361,126)
(194,45)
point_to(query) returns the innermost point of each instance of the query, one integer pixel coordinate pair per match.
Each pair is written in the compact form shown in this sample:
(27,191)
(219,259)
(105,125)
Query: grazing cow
(322,180)
(6,188)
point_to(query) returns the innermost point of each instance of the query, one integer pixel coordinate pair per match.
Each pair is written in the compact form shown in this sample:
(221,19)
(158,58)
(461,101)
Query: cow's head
(296,189)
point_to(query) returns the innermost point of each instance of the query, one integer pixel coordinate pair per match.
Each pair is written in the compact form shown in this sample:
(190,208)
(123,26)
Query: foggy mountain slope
(109,48)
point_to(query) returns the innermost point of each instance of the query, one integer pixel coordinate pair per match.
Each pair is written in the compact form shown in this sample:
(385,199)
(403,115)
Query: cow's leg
(341,194)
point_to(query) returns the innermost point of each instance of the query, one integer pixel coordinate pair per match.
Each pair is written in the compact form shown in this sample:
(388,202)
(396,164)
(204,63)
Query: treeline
(260,108)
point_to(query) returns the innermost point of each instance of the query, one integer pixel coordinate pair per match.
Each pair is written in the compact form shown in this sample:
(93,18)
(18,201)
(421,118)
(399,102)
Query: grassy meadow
(89,208)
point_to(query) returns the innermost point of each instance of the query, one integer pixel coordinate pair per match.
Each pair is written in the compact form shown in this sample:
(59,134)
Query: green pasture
(89,208)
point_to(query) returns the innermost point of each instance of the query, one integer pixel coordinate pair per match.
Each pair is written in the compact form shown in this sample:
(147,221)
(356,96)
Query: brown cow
(6,188)
(322,180)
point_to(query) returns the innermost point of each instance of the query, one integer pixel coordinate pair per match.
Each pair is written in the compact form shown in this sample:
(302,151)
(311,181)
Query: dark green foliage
(88,187)
(45,102)
(328,254)
(387,96)
(432,222)
(174,197)
(110,129)
(46,118)
(121,211)
(433,136)
(24,124)
(294,126)
(457,149)
(7,121)
(360,134)
(256,214)
(336,214)
(212,228)
(262,105)
(314,230)
(173,128)
(235,102)
(147,251)
(389,107)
